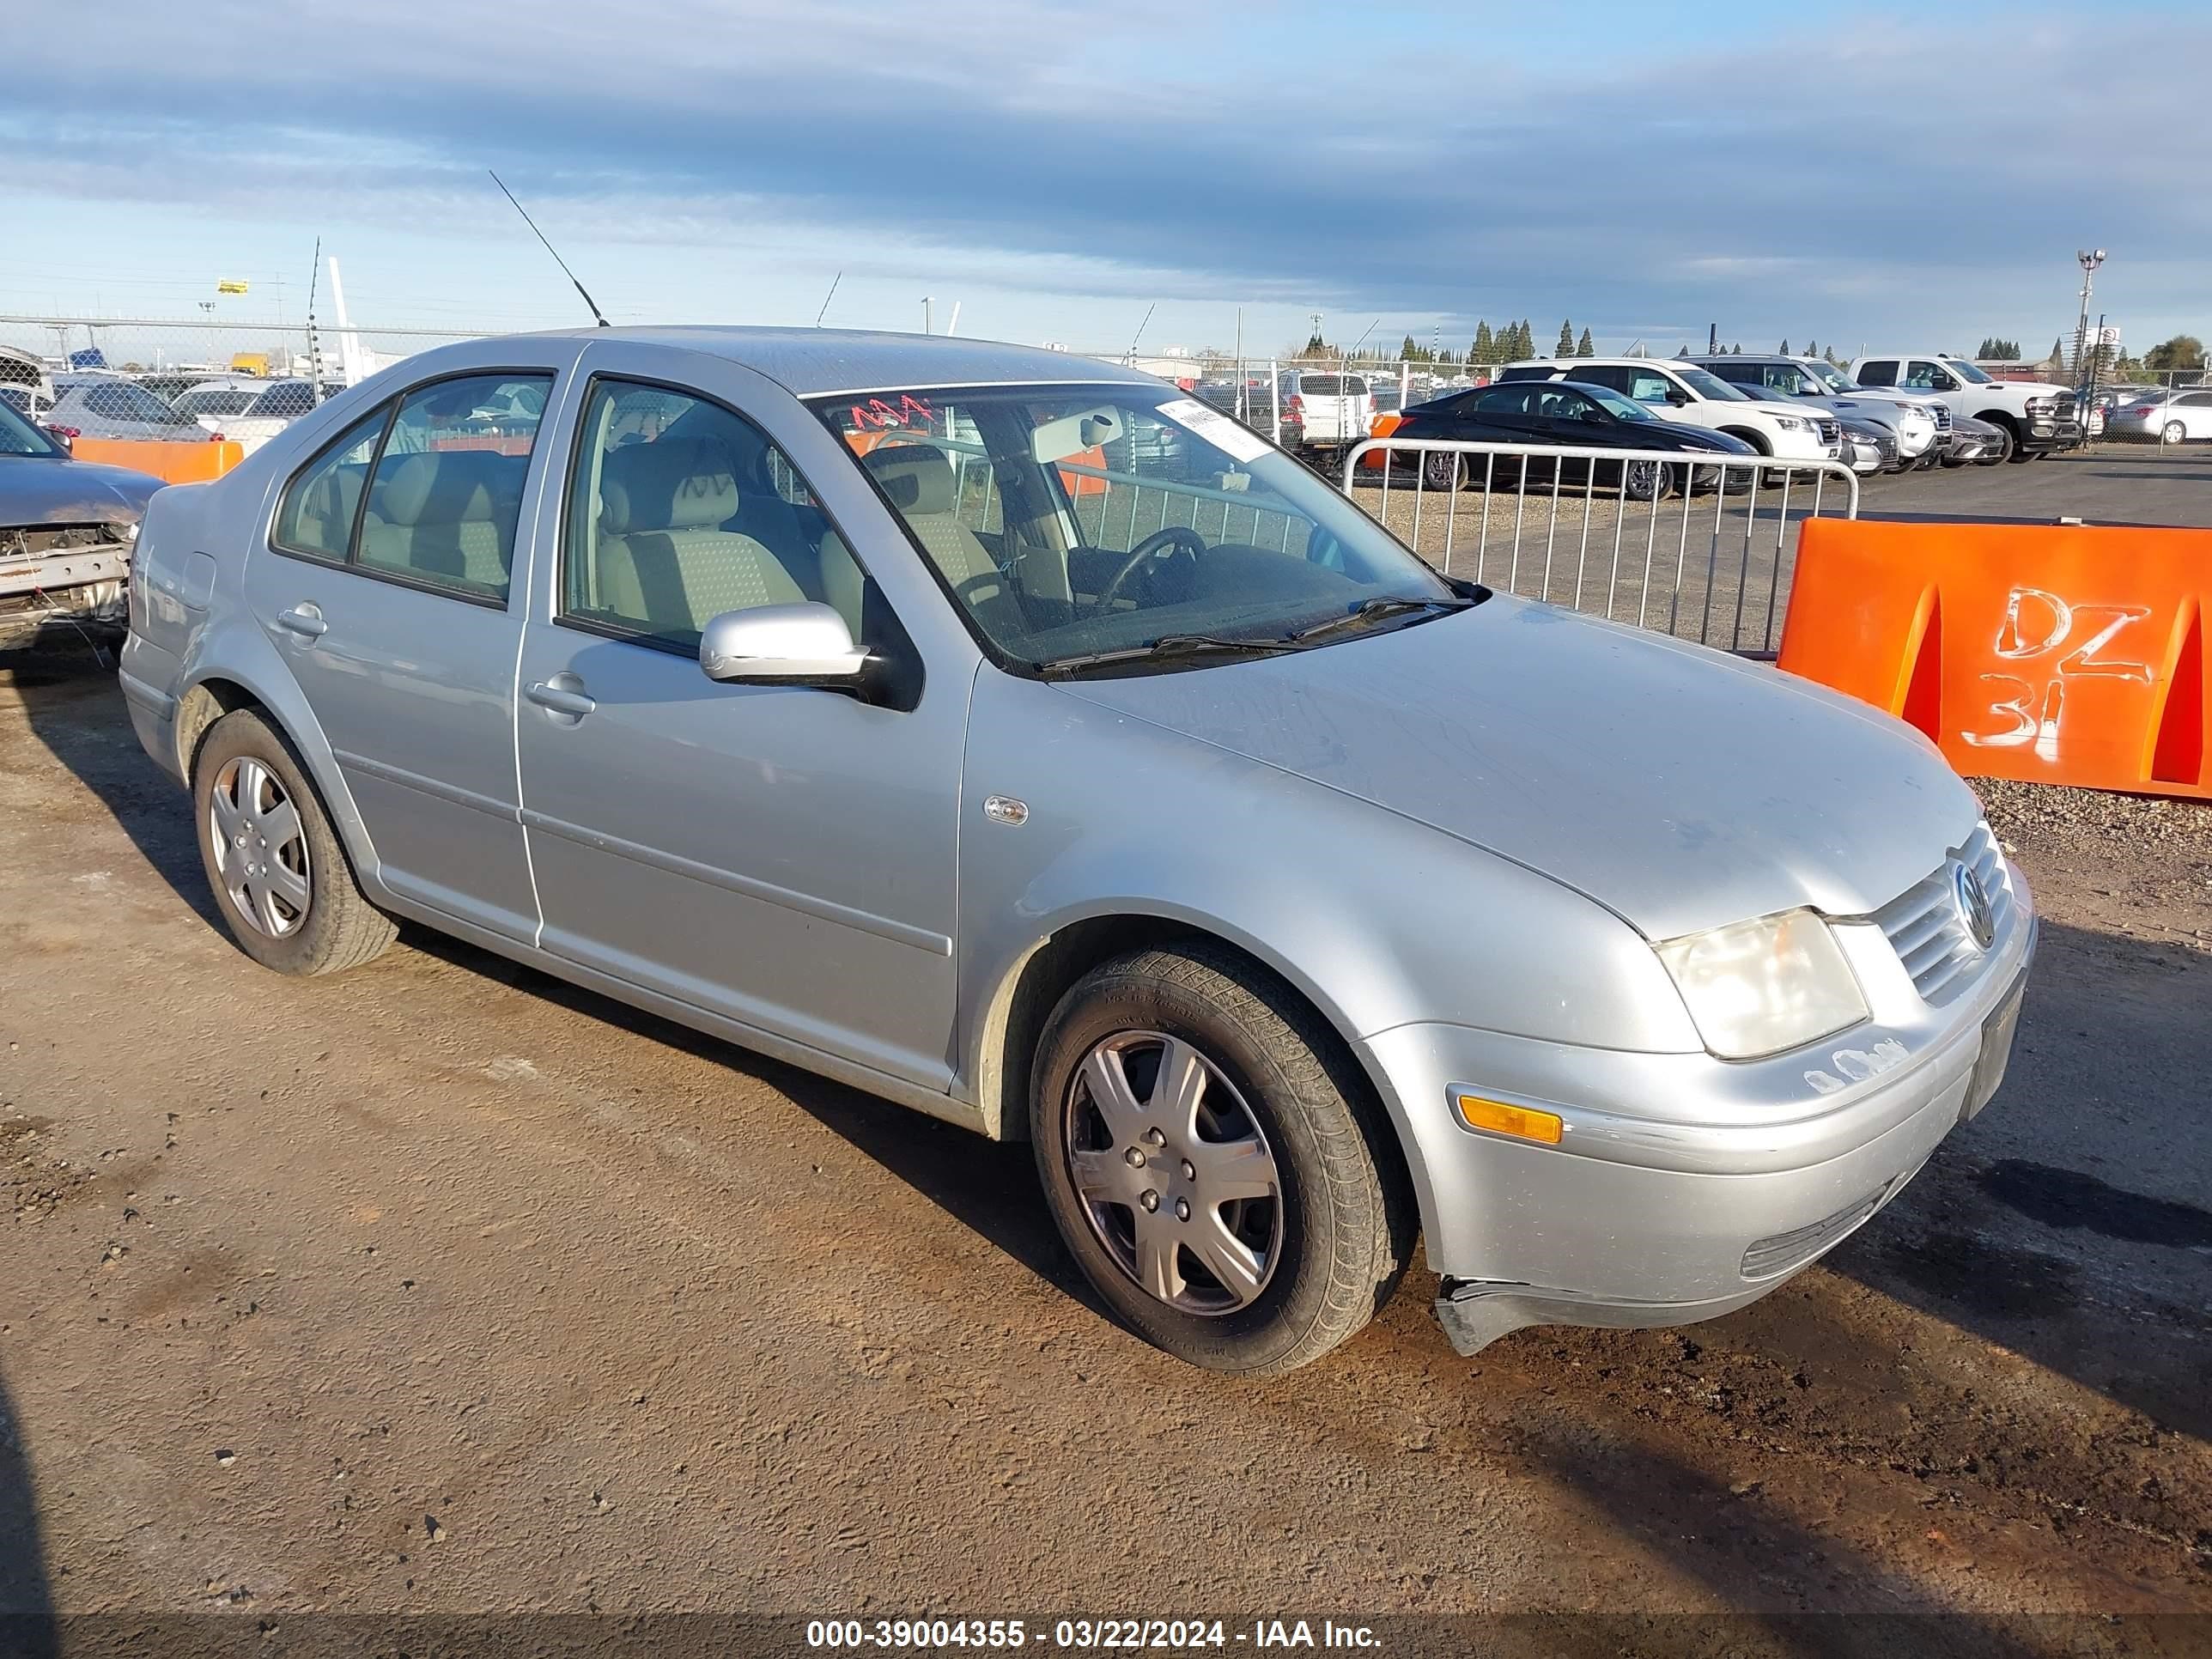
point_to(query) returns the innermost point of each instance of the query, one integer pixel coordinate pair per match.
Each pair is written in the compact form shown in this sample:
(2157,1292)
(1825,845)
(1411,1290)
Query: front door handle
(304,620)
(562,699)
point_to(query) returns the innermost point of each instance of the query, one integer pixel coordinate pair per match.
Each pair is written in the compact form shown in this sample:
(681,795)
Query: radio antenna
(557,260)
(827,298)
(1131,353)
(314,340)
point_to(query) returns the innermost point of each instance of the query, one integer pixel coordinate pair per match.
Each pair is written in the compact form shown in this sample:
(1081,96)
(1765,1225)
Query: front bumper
(1686,1186)
(2044,433)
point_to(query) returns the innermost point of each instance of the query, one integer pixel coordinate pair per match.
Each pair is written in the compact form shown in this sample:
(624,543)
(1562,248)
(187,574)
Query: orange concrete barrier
(2052,654)
(1382,427)
(178,463)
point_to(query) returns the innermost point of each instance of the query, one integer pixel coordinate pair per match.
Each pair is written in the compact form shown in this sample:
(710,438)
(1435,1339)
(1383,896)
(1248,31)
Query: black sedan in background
(1568,413)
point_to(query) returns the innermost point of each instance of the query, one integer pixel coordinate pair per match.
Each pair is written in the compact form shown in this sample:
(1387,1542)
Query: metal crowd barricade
(1700,548)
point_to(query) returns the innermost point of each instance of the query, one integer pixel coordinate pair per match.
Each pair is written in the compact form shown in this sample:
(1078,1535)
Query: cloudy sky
(1901,176)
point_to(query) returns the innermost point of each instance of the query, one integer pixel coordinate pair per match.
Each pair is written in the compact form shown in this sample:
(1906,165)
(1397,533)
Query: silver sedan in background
(2174,417)
(1026,741)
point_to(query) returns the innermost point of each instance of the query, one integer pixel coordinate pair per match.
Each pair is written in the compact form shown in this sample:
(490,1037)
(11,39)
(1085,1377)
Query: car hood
(1680,788)
(40,489)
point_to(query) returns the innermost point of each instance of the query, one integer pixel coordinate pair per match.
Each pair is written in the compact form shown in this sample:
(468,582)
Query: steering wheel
(1181,536)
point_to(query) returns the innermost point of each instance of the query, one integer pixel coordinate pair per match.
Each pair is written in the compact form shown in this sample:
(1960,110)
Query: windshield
(1627,408)
(1967,371)
(1831,377)
(1707,384)
(19,437)
(1071,522)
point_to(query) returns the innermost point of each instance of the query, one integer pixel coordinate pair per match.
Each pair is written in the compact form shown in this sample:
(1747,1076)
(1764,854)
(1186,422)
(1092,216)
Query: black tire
(1645,480)
(337,927)
(2021,454)
(1442,469)
(1341,1224)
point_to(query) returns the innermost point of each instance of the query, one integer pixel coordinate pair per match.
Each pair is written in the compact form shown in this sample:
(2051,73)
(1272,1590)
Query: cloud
(1894,171)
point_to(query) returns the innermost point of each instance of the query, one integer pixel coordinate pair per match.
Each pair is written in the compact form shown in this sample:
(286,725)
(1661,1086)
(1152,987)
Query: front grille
(1830,432)
(1924,925)
(1779,1252)
(1942,417)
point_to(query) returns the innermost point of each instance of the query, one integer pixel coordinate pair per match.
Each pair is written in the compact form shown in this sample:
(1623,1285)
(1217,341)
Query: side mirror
(801,644)
(61,434)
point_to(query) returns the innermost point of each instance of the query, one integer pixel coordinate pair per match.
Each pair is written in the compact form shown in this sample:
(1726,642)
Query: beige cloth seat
(447,513)
(661,557)
(922,484)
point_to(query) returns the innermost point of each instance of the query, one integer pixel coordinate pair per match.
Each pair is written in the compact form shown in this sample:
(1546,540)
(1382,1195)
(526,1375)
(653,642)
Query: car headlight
(1758,988)
(1793,423)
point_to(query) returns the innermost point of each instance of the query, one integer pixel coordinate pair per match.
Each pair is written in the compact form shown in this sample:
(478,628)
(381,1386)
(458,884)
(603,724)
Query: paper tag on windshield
(1216,428)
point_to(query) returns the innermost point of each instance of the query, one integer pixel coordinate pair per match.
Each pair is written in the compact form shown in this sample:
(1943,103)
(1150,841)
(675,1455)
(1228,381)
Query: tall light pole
(2090,258)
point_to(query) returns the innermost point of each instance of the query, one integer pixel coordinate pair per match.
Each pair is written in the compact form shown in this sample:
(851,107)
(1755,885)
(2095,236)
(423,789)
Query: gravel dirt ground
(442,1287)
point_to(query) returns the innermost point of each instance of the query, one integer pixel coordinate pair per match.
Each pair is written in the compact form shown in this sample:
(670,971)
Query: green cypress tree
(1566,345)
(1485,350)
(1585,347)
(1784,348)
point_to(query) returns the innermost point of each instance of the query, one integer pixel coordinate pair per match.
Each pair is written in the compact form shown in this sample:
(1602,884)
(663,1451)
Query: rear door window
(1878,371)
(447,494)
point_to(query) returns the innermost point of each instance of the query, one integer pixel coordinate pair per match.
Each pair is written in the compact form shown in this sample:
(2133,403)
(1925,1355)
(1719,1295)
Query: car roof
(814,361)
(1600,362)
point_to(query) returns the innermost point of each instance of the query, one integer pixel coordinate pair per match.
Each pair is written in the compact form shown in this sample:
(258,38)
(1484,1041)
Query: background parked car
(1250,401)
(2035,416)
(1919,427)
(2173,418)
(1868,447)
(248,412)
(1974,441)
(1565,413)
(108,406)
(1682,391)
(66,529)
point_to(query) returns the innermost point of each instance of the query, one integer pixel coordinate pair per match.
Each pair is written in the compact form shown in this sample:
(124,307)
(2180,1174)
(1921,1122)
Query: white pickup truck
(2035,416)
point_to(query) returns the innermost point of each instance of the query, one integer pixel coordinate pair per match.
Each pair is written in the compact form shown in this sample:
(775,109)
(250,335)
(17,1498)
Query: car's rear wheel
(1201,1153)
(279,875)
(1442,469)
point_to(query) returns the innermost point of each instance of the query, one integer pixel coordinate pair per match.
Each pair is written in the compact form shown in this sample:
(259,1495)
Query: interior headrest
(449,486)
(917,478)
(677,483)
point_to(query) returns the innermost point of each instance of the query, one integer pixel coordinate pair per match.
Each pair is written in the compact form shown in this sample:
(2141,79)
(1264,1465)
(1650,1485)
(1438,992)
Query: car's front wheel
(279,875)
(2175,433)
(1196,1131)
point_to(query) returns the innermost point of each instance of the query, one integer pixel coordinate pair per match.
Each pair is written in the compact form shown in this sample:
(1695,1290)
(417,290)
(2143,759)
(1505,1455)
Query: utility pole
(2089,259)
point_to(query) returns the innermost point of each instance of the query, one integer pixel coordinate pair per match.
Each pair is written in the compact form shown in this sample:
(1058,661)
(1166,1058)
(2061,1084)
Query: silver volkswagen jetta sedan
(1022,740)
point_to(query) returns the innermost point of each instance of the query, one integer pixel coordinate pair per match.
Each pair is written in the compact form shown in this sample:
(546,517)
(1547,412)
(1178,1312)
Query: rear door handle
(560,699)
(304,620)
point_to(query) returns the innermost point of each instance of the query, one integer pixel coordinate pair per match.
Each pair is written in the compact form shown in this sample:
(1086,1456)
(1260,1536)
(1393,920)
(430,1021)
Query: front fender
(1377,921)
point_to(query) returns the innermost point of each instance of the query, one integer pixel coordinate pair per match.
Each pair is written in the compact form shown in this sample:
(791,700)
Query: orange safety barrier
(2052,654)
(1382,427)
(177,462)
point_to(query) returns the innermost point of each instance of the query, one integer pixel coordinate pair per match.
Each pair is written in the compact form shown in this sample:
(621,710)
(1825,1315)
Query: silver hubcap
(2174,433)
(1174,1172)
(260,849)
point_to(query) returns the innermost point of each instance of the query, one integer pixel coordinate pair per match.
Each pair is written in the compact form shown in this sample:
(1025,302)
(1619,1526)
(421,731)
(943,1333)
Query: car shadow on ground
(26,1610)
(2019,1279)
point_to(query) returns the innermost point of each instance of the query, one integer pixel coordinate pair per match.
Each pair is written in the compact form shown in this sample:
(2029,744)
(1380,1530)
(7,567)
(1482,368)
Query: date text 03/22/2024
(1085,1634)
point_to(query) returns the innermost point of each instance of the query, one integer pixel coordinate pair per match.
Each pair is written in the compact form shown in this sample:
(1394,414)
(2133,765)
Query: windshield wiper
(1368,612)
(1170,645)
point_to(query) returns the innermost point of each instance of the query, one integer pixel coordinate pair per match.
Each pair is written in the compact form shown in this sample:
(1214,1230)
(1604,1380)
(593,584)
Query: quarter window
(1882,371)
(680,510)
(319,507)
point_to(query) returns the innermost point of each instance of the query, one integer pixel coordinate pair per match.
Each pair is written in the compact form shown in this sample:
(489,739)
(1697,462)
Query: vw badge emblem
(1974,904)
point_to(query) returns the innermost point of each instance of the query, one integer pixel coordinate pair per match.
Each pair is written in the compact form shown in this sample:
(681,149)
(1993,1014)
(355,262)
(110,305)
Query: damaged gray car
(66,530)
